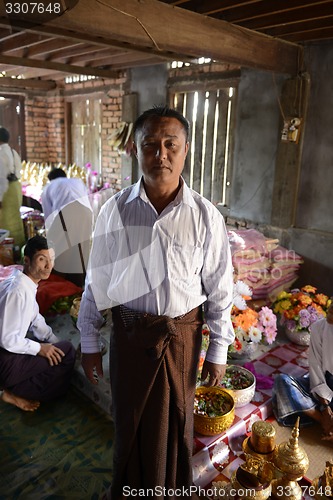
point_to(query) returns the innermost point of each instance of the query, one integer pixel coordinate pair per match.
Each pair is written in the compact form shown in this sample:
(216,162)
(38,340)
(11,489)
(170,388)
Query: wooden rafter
(144,25)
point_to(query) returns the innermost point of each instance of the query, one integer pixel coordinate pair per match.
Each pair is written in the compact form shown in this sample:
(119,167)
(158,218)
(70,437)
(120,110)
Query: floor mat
(61,451)
(318,451)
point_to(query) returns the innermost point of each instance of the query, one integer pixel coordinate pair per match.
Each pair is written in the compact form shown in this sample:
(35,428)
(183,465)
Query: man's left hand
(216,373)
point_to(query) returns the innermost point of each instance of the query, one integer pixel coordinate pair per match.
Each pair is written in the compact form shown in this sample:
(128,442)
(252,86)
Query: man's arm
(15,324)
(217,279)
(89,323)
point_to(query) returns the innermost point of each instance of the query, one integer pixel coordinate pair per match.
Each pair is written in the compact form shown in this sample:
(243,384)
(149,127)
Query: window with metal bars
(208,166)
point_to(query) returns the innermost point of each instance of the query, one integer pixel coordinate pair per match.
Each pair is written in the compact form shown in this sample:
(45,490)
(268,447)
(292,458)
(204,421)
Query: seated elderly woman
(310,397)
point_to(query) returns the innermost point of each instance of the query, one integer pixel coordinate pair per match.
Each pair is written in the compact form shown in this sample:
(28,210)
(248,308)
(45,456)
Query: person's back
(68,222)
(62,191)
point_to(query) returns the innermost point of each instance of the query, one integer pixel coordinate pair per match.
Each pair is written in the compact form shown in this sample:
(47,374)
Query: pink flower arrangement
(252,326)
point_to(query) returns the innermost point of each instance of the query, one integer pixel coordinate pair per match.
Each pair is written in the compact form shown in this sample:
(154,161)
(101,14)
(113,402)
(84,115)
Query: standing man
(160,251)
(31,369)
(68,221)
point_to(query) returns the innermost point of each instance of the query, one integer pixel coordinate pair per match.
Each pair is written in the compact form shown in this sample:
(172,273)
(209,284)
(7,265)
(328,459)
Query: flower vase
(248,352)
(299,337)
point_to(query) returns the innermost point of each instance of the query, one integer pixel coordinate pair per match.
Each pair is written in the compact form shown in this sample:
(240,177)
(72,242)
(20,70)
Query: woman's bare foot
(23,404)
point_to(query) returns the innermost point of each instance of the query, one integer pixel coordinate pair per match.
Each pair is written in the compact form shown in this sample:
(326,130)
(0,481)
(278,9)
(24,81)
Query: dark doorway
(12,118)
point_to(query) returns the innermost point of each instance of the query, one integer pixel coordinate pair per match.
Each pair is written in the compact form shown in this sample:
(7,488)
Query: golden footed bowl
(217,402)
(248,491)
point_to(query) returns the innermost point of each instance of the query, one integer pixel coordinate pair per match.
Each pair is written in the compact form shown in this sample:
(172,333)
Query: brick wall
(45,123)
(36,125)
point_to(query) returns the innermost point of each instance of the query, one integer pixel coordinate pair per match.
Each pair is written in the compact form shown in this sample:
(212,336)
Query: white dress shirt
(164,264)
(321,358)
(19,313)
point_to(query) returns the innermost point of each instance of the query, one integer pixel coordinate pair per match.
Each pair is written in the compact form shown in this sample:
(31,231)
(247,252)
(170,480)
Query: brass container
(261,443)
(292,462)
(248,492)
(210,426)
(290,458)
(263,437)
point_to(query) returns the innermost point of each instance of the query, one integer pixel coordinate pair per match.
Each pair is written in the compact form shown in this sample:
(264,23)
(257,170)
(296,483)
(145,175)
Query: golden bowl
(209,426)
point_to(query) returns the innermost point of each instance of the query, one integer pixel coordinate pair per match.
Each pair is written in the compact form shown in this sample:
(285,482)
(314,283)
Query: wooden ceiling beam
(65,68)
(82,53)
(291,17)
(20,40)
(311,36)
(20,83)
(44,48)
(279,8)
(145,24)
(100,41)
(95,55)
(125,61)
(50,46)
(215,6)
(302,26)
(34,73)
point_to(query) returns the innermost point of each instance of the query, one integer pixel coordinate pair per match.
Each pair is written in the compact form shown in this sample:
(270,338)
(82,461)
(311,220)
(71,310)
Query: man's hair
(160,111)
(4,134)
(34,245)
(55,173)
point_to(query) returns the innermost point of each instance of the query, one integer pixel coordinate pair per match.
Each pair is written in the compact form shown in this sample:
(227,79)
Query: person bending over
(38,369)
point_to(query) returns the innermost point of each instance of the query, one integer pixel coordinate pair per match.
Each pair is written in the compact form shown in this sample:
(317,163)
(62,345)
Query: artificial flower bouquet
(299,308)
(250,325)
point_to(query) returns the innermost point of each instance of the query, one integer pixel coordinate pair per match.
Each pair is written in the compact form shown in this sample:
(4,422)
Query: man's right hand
(89,363)
(52,353)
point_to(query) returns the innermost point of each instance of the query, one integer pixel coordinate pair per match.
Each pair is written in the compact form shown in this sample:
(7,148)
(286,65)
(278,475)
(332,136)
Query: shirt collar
(184,194)
(31,284)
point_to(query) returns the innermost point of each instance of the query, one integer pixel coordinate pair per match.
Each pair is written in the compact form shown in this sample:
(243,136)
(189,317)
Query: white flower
(255,334)
(240,289)
(239,333)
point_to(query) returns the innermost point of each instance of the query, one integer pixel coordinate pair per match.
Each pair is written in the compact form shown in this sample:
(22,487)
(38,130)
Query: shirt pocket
(185,262)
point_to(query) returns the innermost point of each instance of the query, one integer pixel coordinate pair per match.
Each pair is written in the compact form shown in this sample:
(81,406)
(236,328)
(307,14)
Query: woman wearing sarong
(10,190)
(310,397)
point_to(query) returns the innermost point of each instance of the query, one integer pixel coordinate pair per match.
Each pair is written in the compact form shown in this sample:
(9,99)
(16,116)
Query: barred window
(208,166)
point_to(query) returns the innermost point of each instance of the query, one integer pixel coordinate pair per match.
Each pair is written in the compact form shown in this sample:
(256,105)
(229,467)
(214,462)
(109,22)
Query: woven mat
(318,451)
(61,451)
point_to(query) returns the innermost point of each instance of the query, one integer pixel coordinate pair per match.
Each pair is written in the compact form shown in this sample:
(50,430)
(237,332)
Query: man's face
(161,149)
(41,265)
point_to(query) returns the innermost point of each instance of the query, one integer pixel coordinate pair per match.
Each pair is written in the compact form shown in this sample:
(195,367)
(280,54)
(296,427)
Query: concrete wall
(315,193)
(150,84)
(256,142)
(257,135)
